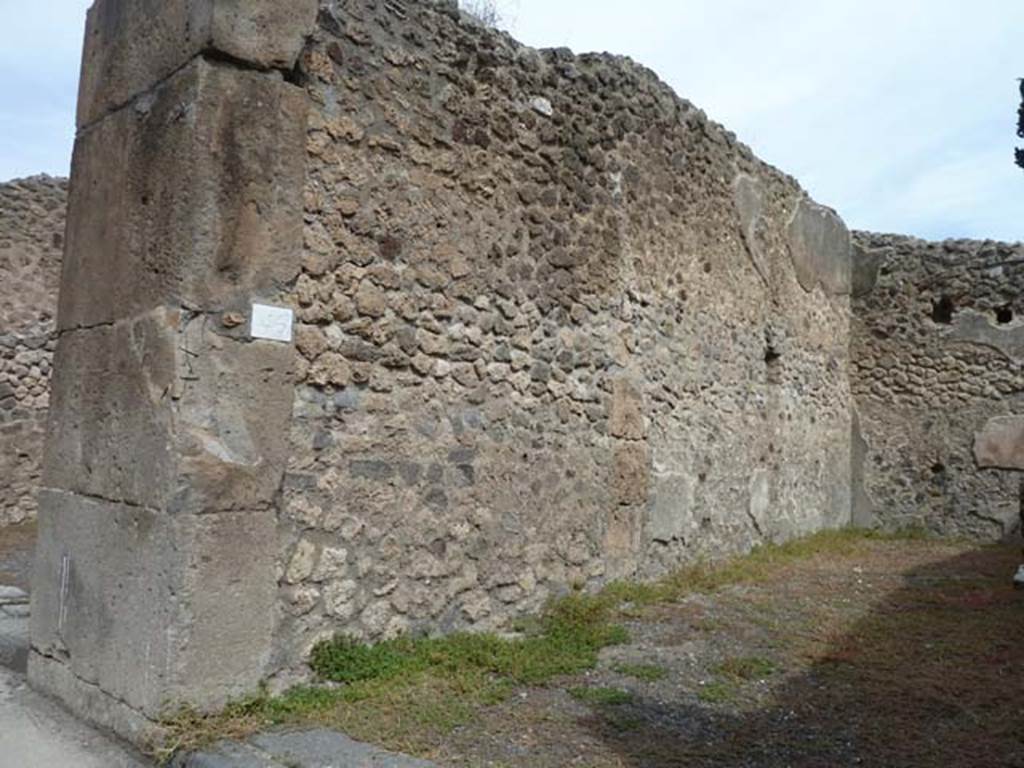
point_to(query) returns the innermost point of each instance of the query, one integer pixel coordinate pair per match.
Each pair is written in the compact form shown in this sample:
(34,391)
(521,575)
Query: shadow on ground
(933,675)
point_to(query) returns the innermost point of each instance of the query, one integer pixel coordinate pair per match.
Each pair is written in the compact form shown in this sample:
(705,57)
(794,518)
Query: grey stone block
(131,45)
(1000,444)
(111,420)
(193,198)
(163,413)
(865,266)
(820,247)
(148,608)
(973,327)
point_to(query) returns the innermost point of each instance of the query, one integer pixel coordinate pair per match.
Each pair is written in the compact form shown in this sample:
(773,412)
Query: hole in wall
(938,468)
(942,310)
(1004,315)
(771,355)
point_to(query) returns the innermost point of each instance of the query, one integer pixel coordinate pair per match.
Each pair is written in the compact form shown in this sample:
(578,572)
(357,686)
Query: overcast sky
(899,113)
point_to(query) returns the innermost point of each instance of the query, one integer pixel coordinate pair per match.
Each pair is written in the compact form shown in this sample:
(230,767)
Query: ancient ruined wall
(554,327)
(938,351)
(31,242)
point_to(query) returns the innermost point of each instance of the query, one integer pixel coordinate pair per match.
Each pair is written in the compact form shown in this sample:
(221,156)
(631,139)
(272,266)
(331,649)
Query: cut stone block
(670,511)
(192,198)
(749,198)
(971,326)
(150,607)
(820,247)
(162,412)
(1000,444)
(626,411)
(132,45)
(111,429)
(631,474)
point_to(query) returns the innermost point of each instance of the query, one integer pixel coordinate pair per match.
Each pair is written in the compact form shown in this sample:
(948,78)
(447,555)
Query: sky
(901,114)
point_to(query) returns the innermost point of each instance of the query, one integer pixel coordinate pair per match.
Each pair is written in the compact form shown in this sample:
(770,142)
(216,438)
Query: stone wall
(555,327)
(31,241)
(938,351)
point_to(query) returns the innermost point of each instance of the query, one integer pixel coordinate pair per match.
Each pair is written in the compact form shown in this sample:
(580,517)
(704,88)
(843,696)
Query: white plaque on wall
(272,323)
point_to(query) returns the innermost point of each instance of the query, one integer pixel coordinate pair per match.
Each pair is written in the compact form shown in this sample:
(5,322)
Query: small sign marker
(271,323)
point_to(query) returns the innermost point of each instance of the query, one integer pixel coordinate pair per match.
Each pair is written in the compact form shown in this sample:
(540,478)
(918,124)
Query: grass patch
(717,692)
(731,675)
(648,673)
(747,668)
(571,634)
(608,697)
(406,693)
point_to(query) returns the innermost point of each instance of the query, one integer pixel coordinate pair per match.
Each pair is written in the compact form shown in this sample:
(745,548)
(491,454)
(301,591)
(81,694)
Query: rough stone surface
(937,357)
(317,748)
(181,199)
(149,607)
(819,244)
(133,45)
(1000,445)
(549,327)
(155,580)
(32,215)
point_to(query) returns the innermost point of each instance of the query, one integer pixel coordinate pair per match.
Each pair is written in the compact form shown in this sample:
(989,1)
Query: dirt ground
(909,654)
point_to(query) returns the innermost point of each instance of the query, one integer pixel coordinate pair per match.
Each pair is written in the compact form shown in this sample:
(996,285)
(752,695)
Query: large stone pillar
(155,576)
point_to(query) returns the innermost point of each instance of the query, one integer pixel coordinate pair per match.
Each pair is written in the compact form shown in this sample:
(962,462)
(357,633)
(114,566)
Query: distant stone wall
(555,327)
(938,351)
(31,243)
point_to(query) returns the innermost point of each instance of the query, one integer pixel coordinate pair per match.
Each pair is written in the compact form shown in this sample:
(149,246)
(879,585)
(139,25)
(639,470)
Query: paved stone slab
(226,754)
(36,733)
(317,748)
(12,596)
(13,641)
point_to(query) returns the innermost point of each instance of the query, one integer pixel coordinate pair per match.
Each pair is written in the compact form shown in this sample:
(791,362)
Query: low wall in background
(31,243)
(938,352)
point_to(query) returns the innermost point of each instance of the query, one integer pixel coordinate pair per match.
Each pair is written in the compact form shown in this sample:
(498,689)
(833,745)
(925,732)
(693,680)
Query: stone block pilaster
(155,581)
